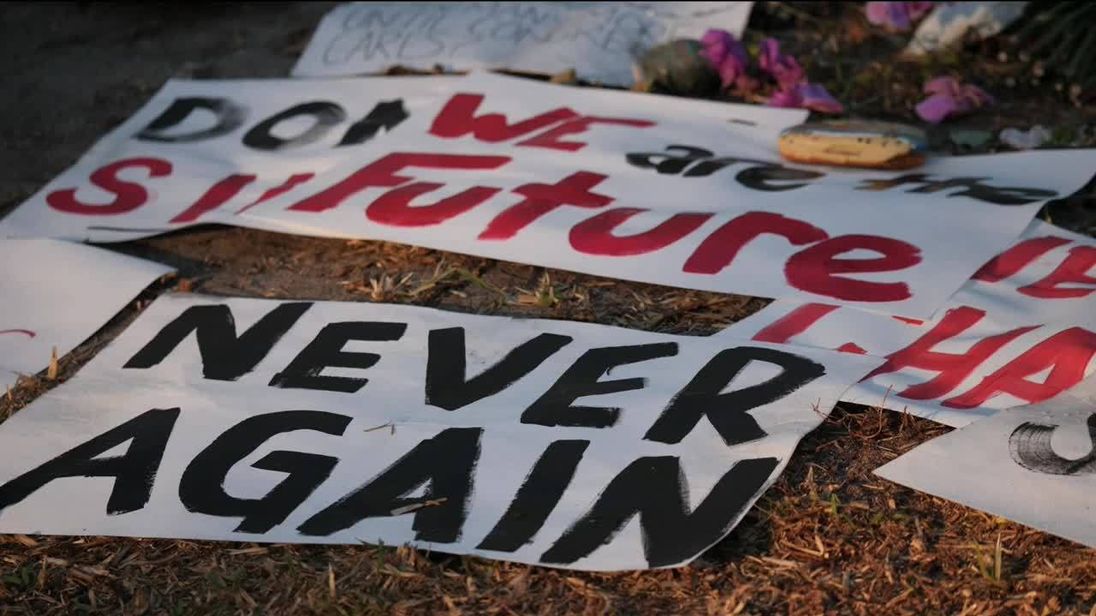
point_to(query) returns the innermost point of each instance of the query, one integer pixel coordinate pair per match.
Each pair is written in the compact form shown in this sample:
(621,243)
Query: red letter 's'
(128,195)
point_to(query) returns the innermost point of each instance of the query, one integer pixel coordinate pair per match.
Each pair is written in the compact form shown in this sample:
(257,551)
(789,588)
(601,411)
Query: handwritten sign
(53,295)
(1035,465)
(197,146)
(548,442)
(633,186)
(600,40)
(684,193)
(1022,331)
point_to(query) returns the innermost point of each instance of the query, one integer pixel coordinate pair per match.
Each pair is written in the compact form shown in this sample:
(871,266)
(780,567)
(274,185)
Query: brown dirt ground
(828,537)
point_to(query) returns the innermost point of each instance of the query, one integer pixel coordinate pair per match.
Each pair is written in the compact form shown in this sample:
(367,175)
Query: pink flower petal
(785,98)
(745,84)
(815,97)
(877,13)
(767,54)
(896,16)
(784,68)
(729,72)
(890,15)
(949,97)
(975,96)
(713,36)
(942,85)
(725,54)
(917,10)
(937,107)
(790,72)
(713,49)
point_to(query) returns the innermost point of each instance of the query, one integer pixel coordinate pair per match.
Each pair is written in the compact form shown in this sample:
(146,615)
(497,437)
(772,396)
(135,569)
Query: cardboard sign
(54,295)
(548,442)
(1035,465)
(600,40)
(633,186)
(198,146)
(1021,331)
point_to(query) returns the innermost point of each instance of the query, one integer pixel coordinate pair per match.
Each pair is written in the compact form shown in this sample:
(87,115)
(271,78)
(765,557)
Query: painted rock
(677,68)
(854,143)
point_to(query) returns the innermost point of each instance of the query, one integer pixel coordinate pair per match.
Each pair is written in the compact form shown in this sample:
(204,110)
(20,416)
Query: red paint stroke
(852,347)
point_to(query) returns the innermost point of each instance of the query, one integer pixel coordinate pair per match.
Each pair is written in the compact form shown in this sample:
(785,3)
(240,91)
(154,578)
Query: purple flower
(896,16)
(948,97)
(816,98)
(726,55)
(811,96)
(784,68)
(786,98)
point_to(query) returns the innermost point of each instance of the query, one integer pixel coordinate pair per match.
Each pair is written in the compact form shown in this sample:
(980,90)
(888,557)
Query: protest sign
(653,189)
(1035,465)
(638,187)
(53,295)
(1021,331)
(548,442)
(600,40)
(200,145)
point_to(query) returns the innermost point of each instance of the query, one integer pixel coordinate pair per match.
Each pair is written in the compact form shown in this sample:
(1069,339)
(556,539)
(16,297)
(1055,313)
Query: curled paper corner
(950,24)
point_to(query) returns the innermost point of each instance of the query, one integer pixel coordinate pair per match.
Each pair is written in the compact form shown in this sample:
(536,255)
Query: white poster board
(547,442)
(600,40)
(685,193)
(633,186)
(1035,465)
(202,146)
(54,295)
(1020,332)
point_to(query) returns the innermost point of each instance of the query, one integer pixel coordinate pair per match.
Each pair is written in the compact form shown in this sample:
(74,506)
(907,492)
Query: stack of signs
(548,442)
(638,187)
(1034,464)
(1021,331)
(54,295)
(599,40)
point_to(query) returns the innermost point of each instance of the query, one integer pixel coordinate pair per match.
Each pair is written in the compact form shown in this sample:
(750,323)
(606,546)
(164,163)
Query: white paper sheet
(600,40)
(208,408)
(1026,325)
(1035,465)
(54,295)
